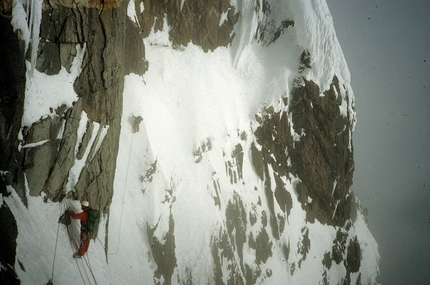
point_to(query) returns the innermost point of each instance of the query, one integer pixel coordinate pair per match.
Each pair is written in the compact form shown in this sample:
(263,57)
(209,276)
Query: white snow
(96,139)
(34,144)
(188,99)
(131,11)
(26,19)
(19,22)
(44,91)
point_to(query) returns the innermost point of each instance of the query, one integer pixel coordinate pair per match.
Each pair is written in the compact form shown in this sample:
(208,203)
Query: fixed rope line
(123,197)
(125,184)
(87,261)
(55,249)
(86,258)
(75,245)
(86,273)
(85,270)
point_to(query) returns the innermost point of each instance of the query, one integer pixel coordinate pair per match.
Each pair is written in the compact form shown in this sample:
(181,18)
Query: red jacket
(81,216)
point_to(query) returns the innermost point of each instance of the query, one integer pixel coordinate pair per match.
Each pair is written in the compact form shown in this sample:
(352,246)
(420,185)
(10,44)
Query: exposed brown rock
(164,251)
(97,4)
(322,158)
(99,87)
(197,21)
(134,62)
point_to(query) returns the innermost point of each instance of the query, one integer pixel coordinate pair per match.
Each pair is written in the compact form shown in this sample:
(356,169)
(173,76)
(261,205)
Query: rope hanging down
(56,243)
(75,246)
(123,196)
(125,187)
(66,220)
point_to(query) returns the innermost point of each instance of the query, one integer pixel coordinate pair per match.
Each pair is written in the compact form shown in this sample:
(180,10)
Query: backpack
(93,219)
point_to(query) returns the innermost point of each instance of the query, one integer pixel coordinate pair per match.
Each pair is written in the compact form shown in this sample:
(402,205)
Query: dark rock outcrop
(12,93)
(322,157)
(102,33)
(9,233)
(12,82)
(195,21)
(164,252)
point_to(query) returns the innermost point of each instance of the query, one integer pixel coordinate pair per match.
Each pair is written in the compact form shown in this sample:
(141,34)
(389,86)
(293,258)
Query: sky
(387,48)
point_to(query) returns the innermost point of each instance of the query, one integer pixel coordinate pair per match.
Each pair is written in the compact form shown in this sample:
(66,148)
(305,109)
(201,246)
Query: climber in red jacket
(136,123)
(85,233)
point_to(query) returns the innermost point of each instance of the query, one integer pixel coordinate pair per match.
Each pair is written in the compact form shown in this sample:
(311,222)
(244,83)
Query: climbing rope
(87,261)
(55,249)
(123,197)
(123,194)
(74,244)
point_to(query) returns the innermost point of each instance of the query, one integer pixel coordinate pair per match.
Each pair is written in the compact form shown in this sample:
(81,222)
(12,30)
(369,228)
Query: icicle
(34,8)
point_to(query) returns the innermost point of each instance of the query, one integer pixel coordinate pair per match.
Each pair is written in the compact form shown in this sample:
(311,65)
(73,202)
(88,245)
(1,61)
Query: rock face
(191,21)
(48,146)
(99,88)
(105,34)
(323,158)
(12,77)
(306,146)
(323,161)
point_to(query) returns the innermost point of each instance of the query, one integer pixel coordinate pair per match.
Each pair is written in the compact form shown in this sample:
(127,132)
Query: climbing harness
(74,244)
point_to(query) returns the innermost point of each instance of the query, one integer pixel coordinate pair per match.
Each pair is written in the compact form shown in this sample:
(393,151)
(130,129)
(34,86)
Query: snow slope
(196,107)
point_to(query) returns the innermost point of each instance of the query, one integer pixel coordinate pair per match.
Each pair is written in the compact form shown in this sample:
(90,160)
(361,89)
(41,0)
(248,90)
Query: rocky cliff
(297,218)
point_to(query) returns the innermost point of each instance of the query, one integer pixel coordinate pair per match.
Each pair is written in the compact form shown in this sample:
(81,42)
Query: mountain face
(241,172)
